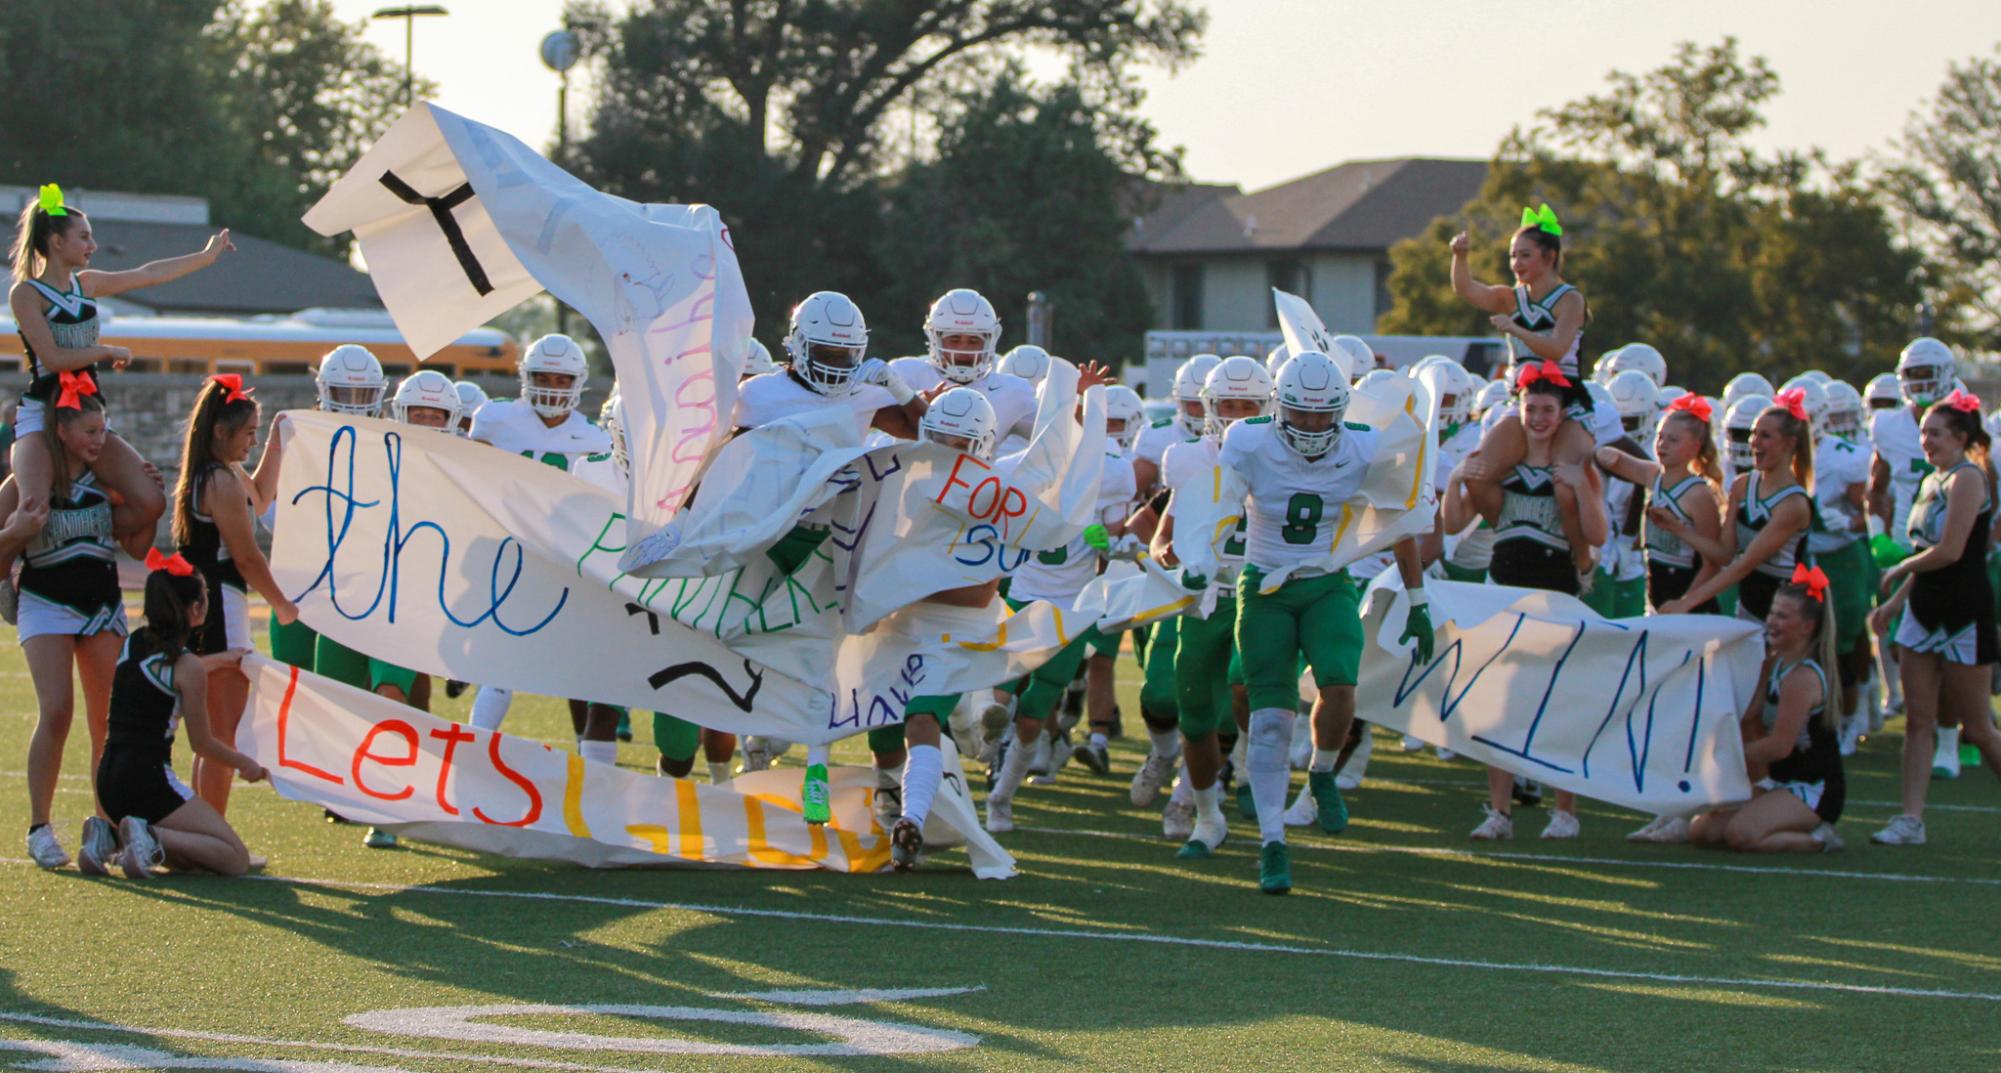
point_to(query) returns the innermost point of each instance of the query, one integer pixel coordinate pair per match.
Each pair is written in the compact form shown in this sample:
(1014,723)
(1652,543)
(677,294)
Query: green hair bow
(52,200)
(1543,219)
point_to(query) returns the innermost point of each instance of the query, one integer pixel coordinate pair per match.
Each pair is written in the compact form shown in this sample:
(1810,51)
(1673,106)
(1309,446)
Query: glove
(1095,535)
(1193,582)
(1417,628)
(1886,551)
(877,371)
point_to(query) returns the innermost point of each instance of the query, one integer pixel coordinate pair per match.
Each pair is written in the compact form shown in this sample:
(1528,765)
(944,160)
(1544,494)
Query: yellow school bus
(292,343)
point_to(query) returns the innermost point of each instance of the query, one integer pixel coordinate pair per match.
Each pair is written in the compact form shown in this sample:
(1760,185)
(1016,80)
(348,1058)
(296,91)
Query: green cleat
(815,796)
(1195,850)
(1247,805)
(1327,796)
(1275,868)
(377,838)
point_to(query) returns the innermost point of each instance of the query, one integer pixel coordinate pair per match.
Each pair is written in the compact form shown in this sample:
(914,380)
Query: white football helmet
(1235,377)
(1028,361)
(427,389)
(1666,395)
(827,340)
(759,360)
(1311,383)
(1355,354)
(1453,387)
(1738,422)
(1494,393)
(350,381)
(1819,377)
(1881,393)
(1605,366)
(561,356)
(1745,384)
(1188,382)
(1638,400)
(1275,360)
(963,311)
(1844,409)
(1600,395)
(1925,371)
(1643,357)
(1813,397)
(961,412)
(1123,404)
(1375,377)
(471,398)
(611,418)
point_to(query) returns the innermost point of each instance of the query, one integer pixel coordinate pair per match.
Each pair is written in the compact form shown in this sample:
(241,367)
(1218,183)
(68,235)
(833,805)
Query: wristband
(1418,598)
(897,389)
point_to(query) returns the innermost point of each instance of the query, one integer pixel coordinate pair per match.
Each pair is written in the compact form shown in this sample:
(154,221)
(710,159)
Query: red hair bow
(1548,370)
(1813,578)
(1792,401)
(74,386)
(172,564)
(233,384)
(1694,406)
(1963,401)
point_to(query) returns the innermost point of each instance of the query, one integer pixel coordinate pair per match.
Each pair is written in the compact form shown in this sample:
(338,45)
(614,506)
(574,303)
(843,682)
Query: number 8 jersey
(1294,505)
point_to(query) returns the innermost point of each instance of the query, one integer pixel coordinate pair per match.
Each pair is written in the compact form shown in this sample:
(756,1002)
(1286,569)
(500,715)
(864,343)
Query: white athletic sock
(1209,804)
(816,754)
(1165,742)
(1237,751)
(1323,759)
(1100,740)
(599,752)
(1184,789)
(1013,769)
(489,707)
(1270,738)
(1948,739)
(921,772)
(719,771)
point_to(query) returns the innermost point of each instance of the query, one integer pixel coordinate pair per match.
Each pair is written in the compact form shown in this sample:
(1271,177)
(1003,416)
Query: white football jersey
(1894,435)
(773,396)
(1156,438)
(514,427)
(1294,505)
(602,470)
(1059,574)
(1837,465)
(1011,396)
(1196,460)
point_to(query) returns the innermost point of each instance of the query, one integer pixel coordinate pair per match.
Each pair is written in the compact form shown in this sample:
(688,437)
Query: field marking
(1145,938)
(1553,859)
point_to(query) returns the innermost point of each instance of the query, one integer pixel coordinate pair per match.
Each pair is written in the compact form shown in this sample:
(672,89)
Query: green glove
(1417,627)
(1095,535)
(1886,551)
(1193,582)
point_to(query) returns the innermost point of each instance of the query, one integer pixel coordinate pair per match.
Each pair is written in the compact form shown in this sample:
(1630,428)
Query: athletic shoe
(377,838)
(1527,792)
(334,817)
(1247,803)
(887,804)
(1851,732)
(814,795)
(1000,816)
(994,765)
(45,849)
(1447,754)
(1203,841)
(1095,757)
(1830,841)
(1150,778)
(1350,775)
(1902,831)
(1412,743)
(1058,751)
(142,852)
(1275,868)
(1177,821)
(1304,810)
(1038,761)
(906,844)
(1332,811)
(1969,754)
(1945,761)
(1662,830)
(1562,825)
(97,846)
(257,862)
(10,604)
(1497,827)
(454,688)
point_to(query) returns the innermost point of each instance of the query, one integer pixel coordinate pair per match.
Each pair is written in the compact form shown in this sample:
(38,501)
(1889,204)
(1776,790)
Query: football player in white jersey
(1840,487)
(1125,415)
(1186,424)
(964,336)
(471,398)
(1297,469)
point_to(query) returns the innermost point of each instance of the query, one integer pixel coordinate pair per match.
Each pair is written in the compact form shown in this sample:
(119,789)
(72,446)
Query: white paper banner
(1639,712)
(1303,330)
(392,766)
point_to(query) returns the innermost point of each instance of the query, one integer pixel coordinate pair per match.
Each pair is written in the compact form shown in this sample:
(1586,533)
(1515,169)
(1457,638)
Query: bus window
(187,365)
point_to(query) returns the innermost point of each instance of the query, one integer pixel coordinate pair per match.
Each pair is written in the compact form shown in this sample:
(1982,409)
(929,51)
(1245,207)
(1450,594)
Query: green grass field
(1402,948)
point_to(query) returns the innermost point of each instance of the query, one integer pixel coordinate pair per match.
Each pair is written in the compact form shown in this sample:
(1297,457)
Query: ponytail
(1796,429)
(214,410)
(170,602)
(32,234)
(1823,647)
(1707,465)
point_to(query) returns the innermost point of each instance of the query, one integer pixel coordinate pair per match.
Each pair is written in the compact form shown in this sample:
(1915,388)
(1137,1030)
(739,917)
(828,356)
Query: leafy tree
(1949,184)
(1682,235)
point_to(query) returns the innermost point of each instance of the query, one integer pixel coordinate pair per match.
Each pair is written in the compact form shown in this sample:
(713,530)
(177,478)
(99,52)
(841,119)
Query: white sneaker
(887,805)
(756,753)
(1830,841)
(1412,743)
(45,849)
(97,848)
(1662,830)
(1446,754)
(1902,831)
(1212,831)
(1177,821)
(1351,773)
(1000,816)
(1497,827)
(1304,811)
(1038,761)
(1562,825)
(142,852)
(1945,757)
(1151,777)
(1851,732)
(1302,742)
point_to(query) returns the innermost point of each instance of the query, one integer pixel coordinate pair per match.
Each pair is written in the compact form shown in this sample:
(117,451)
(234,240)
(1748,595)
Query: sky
(1287,87)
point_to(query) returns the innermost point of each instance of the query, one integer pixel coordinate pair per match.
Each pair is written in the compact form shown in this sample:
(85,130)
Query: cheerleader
(71,611)
(1792,750)
(214,529)
(1682,482)
(1946,640)
(1771,510)
(160,683)
(1539,503)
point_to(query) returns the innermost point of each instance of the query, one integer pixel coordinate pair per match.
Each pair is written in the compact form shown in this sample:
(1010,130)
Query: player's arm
(1879,489)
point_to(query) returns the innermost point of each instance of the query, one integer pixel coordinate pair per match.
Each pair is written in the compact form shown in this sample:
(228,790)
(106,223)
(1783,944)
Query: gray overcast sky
(1286,87)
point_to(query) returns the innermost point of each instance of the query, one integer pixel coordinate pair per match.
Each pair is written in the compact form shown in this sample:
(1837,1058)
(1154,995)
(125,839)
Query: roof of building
(1360,205)
(260,277)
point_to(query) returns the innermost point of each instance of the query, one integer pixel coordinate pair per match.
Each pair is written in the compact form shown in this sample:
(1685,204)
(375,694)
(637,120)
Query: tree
(779,111)
(1949,184)
(1682,235)
(255,109)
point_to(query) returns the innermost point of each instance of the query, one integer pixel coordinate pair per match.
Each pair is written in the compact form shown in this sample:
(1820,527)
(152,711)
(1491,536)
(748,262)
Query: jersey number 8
(1302,518)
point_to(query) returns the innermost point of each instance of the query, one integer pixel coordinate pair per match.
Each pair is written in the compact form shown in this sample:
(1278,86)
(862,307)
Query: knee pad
(1271,728)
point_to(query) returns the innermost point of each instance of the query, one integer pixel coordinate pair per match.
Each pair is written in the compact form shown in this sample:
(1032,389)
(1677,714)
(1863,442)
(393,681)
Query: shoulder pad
(1264,420)
(1163,422)
(602,456)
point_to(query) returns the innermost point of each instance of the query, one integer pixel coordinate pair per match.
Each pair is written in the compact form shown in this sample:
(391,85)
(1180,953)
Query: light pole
(559,53)
(408,13)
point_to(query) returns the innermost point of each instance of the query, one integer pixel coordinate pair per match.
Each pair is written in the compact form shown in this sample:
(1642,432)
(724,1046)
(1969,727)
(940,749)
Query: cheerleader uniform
(1951,610)
(1812,771)
(69,577)
(1755,591)
(1530,550)
(1539,318)
(74,322)
(228,622)
(1671,563)
(136,776)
